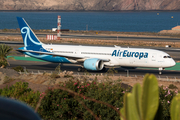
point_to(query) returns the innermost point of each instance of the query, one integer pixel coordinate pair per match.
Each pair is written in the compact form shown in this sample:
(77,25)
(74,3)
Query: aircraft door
(77,52)
(131,61)
(154,55)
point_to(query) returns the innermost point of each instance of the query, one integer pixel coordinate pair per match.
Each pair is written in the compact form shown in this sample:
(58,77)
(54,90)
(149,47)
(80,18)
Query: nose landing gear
(160,70)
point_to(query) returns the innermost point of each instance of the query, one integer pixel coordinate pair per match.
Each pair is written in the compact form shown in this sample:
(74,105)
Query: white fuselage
(118,56)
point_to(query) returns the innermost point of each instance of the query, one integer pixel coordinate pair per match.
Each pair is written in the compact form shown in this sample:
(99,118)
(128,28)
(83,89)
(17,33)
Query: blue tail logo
(31,42)
(28,40)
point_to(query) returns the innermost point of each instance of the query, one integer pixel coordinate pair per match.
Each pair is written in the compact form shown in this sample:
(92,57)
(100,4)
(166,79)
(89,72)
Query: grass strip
(176,67)
(26,58)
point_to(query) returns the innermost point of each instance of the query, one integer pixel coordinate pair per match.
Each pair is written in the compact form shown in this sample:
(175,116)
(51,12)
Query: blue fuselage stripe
(49,58)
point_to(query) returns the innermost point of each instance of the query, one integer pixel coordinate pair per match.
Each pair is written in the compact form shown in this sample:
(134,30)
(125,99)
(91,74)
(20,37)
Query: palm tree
(5,50)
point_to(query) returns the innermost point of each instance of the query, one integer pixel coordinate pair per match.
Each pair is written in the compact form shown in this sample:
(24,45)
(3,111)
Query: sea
(129,21)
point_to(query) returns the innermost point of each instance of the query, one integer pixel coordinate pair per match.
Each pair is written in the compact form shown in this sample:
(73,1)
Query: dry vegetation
(42,81)
(99,42)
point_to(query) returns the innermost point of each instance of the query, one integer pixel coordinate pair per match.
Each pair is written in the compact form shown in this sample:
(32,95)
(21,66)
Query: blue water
(105,21)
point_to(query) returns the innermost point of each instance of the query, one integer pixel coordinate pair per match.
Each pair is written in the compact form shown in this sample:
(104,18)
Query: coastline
(89,10)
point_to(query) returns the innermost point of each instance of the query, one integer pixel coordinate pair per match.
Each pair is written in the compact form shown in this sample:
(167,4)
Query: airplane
(93,58)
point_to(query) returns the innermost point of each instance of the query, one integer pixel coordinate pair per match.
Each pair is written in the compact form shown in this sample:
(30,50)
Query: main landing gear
(104,69)
(160,70)
(81,69)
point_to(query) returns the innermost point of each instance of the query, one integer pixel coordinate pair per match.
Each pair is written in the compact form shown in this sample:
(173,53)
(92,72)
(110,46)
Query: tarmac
(175,68)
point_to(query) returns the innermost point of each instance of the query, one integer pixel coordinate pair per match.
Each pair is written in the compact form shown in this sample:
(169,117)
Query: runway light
(171,16)
(157,13)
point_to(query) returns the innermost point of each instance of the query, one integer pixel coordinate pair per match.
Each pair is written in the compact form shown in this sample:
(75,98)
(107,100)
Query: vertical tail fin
(30,39)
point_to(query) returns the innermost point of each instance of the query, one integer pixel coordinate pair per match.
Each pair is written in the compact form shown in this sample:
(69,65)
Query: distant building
(54,29)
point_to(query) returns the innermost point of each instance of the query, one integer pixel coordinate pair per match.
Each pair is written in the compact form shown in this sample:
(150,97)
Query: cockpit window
(167,57)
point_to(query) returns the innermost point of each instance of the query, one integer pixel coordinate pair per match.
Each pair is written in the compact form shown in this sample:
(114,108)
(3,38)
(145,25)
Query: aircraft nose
(173,63)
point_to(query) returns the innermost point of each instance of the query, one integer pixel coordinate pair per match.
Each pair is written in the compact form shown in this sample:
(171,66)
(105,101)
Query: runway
(103,37)
(35,67)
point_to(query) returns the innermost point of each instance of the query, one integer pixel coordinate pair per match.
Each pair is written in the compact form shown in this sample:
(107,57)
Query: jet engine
(93,64)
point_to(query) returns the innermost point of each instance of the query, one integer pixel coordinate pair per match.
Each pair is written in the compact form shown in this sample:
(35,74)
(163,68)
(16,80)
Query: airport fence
(159,77)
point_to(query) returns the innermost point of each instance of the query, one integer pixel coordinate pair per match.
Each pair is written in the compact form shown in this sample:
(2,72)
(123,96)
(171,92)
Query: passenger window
(167,57)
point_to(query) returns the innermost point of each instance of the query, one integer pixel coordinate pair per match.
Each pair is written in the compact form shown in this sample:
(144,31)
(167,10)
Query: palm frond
(5,50)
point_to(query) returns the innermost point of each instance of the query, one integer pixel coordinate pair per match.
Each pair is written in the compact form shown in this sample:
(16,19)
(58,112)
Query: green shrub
(59,104)
(20,91)
(16,90)
(165,98)
(172,86)
(5,30)
(18,69)
(31,98)
(58,68)
(111,71)
(7,79)
(68,76)
(54,75)
(3,63)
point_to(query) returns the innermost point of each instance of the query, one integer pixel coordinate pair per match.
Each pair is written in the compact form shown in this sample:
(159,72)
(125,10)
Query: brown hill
(109,5)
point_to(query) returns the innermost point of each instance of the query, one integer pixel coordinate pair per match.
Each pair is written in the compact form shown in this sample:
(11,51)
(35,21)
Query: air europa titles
(126,53)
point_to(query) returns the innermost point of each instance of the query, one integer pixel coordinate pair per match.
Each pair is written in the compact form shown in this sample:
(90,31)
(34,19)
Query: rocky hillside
(109,5)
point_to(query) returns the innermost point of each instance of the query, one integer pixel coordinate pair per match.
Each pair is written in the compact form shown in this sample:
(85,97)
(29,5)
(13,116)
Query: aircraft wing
(76,57)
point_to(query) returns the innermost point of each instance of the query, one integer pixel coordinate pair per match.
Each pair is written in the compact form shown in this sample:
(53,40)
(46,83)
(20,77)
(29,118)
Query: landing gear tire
(104,69)
(81,69)
(160,71)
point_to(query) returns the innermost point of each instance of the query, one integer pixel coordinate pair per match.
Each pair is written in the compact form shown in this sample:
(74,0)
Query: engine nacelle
(93,64)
